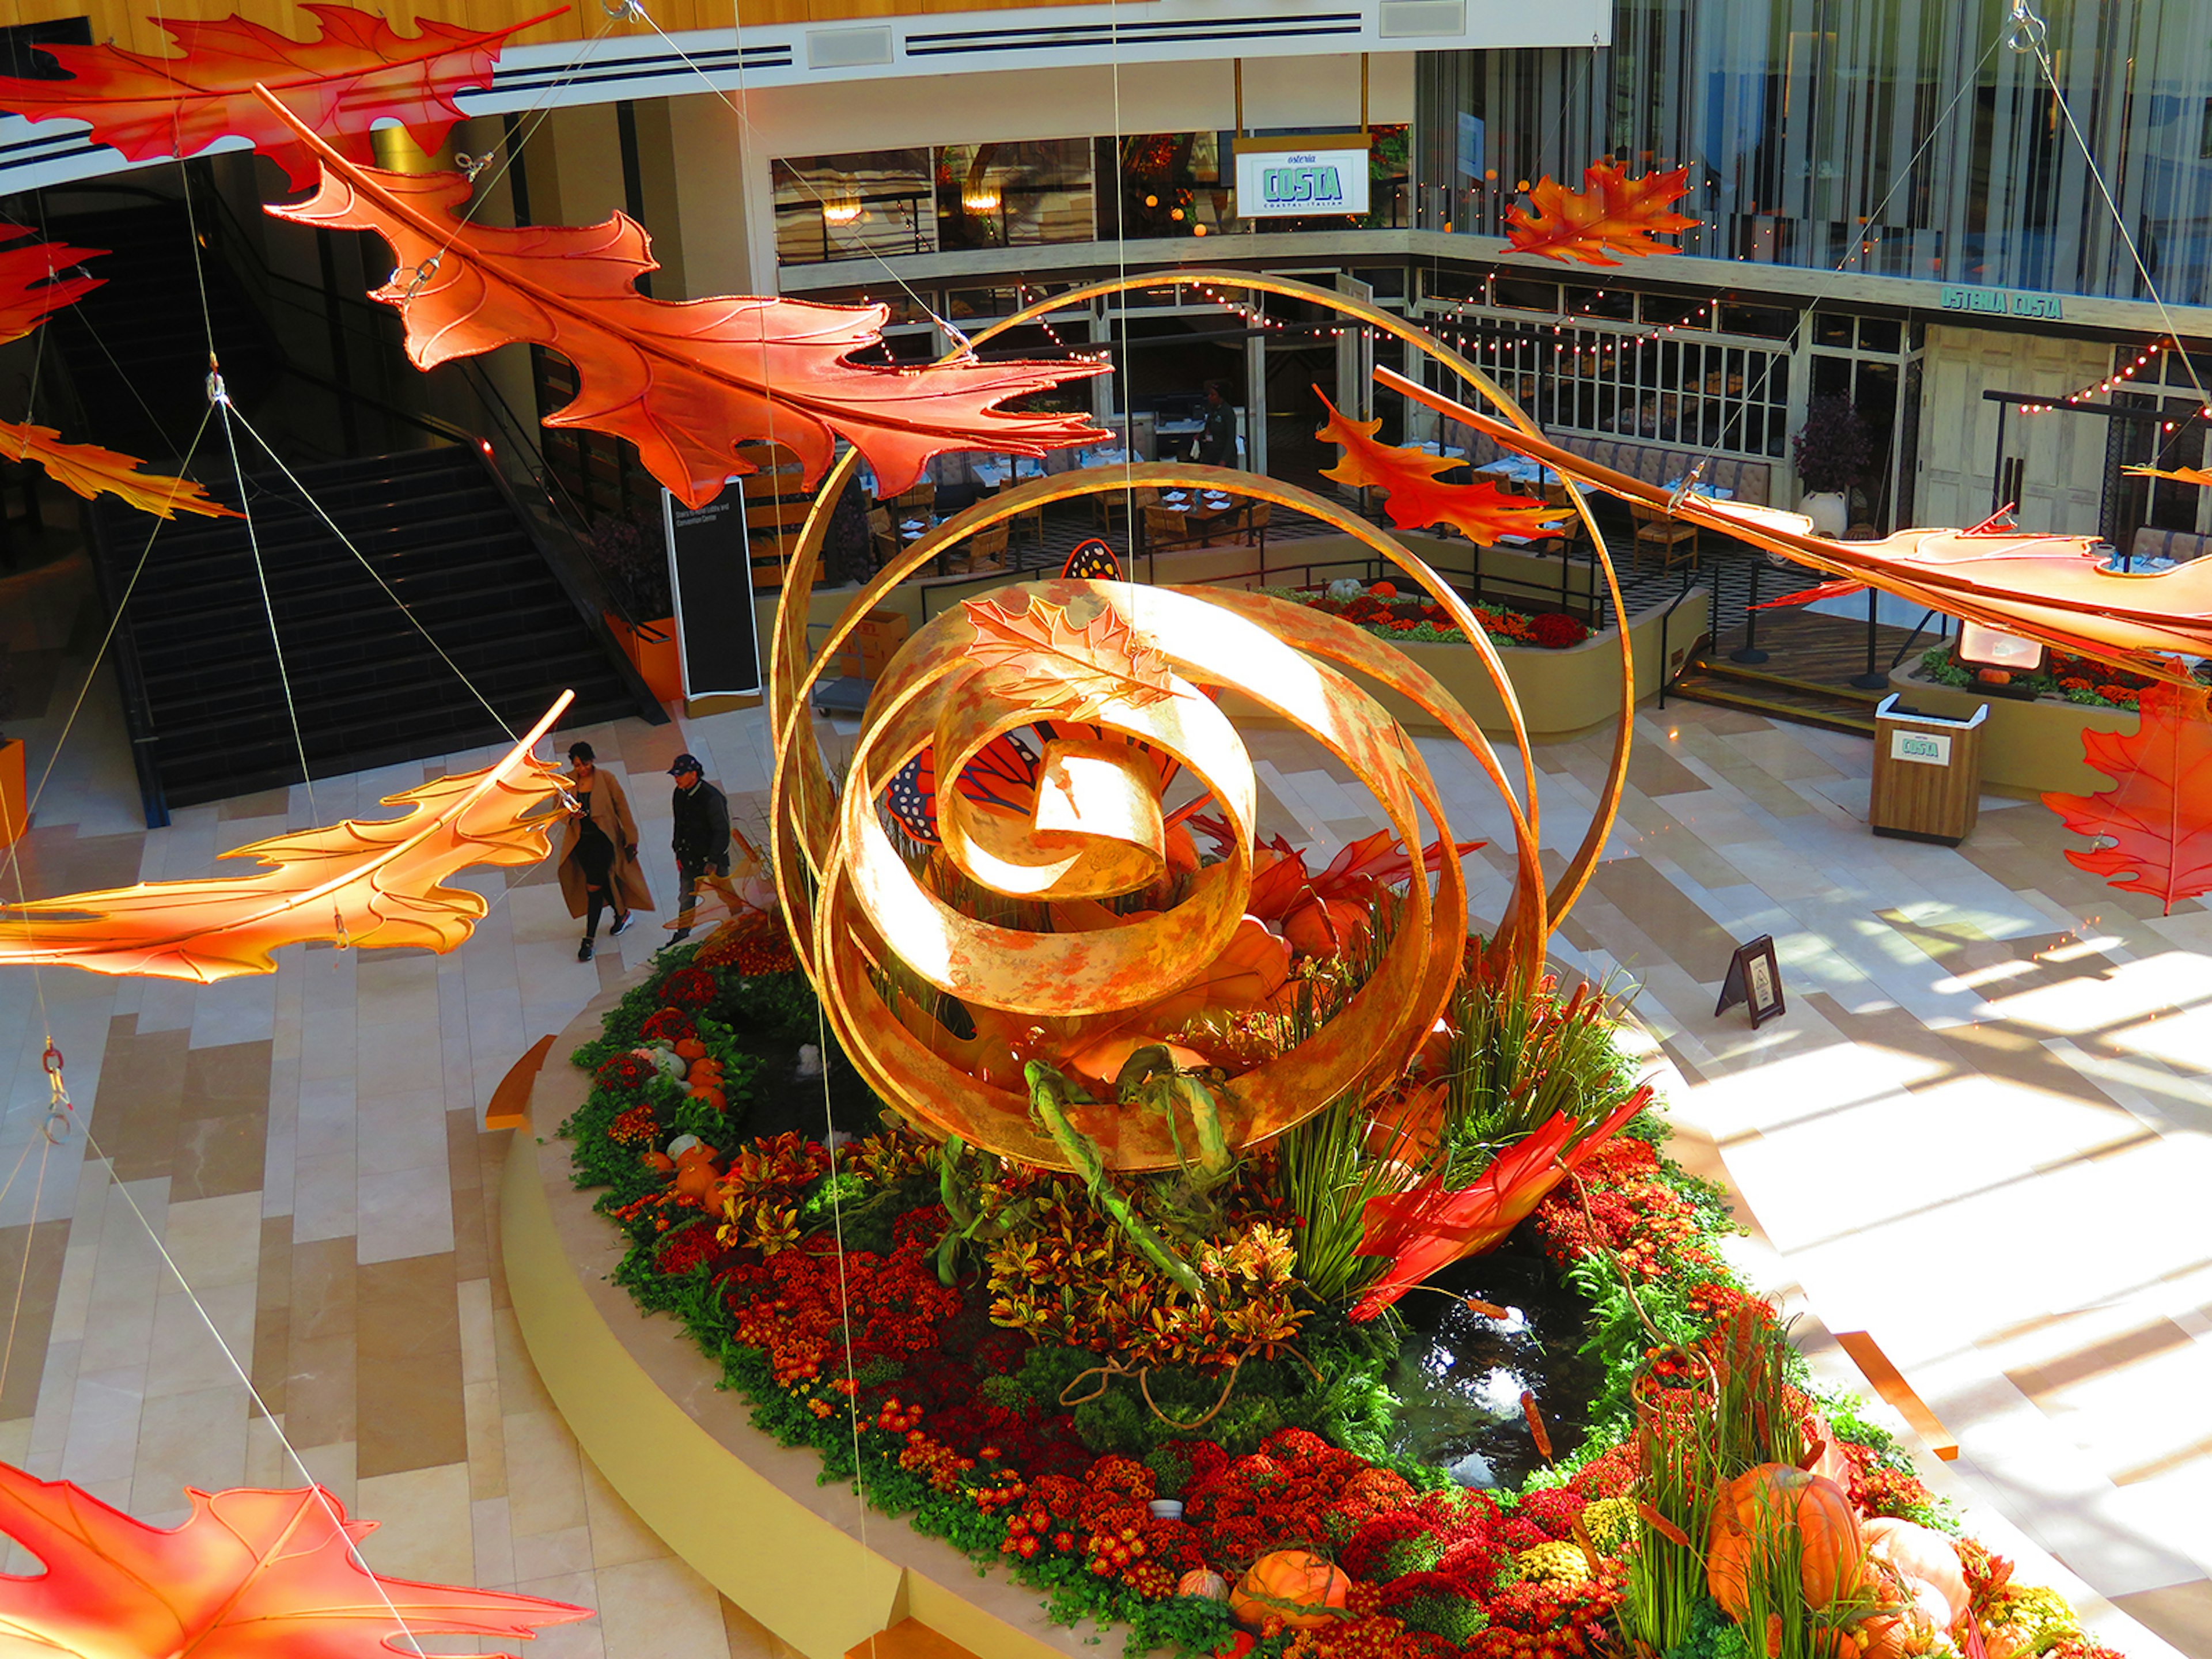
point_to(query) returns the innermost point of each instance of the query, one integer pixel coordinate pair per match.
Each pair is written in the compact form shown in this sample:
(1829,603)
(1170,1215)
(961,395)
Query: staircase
(136,347)
(206,706)
(1708,679)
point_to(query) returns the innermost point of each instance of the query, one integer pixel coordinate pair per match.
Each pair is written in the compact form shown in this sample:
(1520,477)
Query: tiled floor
(1979,1134)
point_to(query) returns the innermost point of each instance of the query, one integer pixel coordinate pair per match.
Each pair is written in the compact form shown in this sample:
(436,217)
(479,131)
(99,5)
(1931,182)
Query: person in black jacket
(701,840)
(1217,443)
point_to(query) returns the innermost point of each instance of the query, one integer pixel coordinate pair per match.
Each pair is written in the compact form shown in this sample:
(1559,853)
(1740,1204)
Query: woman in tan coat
(599,852)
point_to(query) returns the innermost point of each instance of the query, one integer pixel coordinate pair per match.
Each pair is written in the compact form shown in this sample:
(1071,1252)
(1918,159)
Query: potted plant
(632,559)
(1832,450)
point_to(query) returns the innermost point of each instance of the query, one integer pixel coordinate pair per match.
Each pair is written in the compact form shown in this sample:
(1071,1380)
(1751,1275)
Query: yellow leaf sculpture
(91,470)
(377,883)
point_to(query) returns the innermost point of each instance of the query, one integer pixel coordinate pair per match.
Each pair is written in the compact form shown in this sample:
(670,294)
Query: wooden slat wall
(126,22)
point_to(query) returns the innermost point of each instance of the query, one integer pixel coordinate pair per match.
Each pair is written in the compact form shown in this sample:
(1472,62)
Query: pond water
(1460,1374)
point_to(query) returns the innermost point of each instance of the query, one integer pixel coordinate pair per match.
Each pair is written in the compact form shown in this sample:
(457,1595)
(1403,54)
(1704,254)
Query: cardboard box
(871,645)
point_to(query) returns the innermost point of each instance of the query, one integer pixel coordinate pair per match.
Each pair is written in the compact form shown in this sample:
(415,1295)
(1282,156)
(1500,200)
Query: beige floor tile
(185,1355)
(659,1609)
(617,1535)
(544,1474)
(487,1433)
(585,1638)
(425,1529)
(494,1541)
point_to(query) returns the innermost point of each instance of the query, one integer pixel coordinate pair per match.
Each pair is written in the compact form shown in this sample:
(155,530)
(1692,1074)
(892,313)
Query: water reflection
(1461,1373)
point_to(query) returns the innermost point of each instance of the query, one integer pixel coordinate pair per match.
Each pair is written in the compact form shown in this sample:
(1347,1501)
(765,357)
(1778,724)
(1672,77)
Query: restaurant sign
(2004,302)
(1285,178)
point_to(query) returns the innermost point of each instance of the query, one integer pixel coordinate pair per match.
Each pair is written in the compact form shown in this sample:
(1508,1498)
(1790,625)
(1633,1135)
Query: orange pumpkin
(659,1162)
(713,1096)
(690,1049)
(695,1171)
(1759,1502)
(1295,1586)
(1205,1583)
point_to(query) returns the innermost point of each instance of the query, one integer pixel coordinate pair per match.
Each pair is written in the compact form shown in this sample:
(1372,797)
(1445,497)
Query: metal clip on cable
(624,11)
(2024,31)
(471,165)
(1688,487)
(59,1111)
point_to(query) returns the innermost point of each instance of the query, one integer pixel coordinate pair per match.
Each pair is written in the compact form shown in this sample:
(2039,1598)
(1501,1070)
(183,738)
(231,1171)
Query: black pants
(595,857)
(691,874)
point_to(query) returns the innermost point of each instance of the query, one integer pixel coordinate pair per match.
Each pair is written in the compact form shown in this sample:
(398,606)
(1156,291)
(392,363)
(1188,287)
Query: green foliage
(1711,1635)
(1324,1174)
(1170,1467)
(770,1007)
(1181,1624)
(1520,1056)
(1458,1619)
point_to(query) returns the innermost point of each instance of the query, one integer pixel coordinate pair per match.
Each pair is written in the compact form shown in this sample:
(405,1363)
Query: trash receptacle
(1927,774)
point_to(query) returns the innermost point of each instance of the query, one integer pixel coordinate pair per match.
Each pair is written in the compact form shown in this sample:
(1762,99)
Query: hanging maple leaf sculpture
(358,72)
(32,286)
(250,1573)
(1612,213)
(2158,813)
(2188,475)
(91,470)
(1076,671)
(375,883)
(1415,500)
(684,381)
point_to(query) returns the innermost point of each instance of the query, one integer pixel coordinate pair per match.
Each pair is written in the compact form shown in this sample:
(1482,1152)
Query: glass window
(1015,195)
(1880,334)
(1521,295)
(851,207)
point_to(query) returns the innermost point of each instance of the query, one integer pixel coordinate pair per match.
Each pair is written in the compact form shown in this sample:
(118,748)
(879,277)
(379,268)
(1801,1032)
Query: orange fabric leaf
(1074,671)
(357,72)
(91,470)
(1480,512)
(687,381)
(376,883)
(248,1573)
(31,284)
(2188,475)
(1612,213)
(2158,813)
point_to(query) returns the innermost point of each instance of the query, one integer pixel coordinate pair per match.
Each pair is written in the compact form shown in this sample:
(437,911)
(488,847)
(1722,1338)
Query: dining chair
(1664,536)
(1165,528)
(1256,523)
(882,537)
(984,551)
(1107,503)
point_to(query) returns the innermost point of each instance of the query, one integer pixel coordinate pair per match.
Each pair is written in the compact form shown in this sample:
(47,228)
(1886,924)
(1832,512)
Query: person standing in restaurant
(598,851)
(700,839)
(1217,442)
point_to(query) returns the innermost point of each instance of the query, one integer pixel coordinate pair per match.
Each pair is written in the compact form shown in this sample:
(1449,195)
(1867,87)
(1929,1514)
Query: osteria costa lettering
(2004,302)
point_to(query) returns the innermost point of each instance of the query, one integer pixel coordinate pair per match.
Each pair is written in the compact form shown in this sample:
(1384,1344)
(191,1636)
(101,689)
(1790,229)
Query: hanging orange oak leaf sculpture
(250,1573)
(368,883)
(1612,213)
(684,381)
(1432,1226)
(359,71)
(91,470)
(2188,475)
(1068,671)
(1480,512)
(2158,813)
(32,286)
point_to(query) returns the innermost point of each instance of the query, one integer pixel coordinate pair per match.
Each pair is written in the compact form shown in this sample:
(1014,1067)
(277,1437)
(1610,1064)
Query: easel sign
(1754,978)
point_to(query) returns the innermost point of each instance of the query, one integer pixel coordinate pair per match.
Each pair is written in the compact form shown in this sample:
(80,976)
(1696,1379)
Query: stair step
(1723,669)
(1695,688)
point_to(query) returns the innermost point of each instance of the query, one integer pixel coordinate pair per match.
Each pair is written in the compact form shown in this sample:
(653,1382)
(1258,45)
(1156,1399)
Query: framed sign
(1754,979)
(1305,173)
(710,572)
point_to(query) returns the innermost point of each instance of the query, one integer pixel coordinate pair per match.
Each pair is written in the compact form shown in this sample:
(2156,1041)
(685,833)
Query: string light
(2144,359)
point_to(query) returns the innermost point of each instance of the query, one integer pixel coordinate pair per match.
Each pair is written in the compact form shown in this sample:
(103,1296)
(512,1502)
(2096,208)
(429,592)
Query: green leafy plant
(1832,449)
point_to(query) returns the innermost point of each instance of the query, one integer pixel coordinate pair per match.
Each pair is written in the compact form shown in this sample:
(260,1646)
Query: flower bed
(1031,1394)
(2068,679)
(1382,611)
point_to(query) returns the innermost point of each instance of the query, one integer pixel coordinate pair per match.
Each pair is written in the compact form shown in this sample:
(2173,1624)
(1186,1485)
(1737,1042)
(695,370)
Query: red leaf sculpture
(1480,512)
(357,72)
(31,285)
(251,1573)
(2158,813)
(686,381)
(1430,1227)
(1612,213)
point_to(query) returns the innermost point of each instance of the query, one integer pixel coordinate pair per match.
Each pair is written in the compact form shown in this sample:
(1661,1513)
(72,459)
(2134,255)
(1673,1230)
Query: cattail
(1660,1524)
(1488,1311)
(1536,1424)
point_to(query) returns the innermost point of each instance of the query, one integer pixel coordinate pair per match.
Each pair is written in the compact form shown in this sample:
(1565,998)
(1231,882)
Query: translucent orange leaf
(91,470)
(32,286)
(249,1573)
(374,883)
(1612,213)
(2188,475)
(2157,816)
(1415,500)
(687,381)
(1071,671)
(357,72)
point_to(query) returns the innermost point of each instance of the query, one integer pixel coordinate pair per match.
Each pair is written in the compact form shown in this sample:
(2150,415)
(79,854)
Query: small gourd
(690,1049)
(1205,1583)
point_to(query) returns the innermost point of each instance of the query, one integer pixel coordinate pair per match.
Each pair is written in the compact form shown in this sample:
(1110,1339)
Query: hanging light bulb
(841,202)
